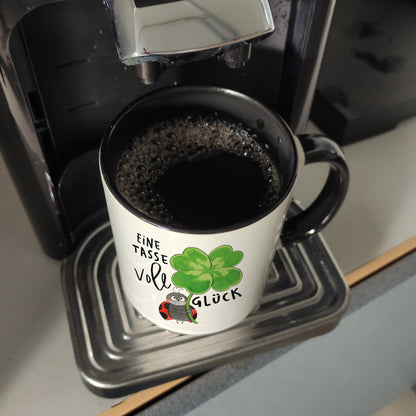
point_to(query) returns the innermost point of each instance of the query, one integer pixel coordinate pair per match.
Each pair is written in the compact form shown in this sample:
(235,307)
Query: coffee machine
(68,67)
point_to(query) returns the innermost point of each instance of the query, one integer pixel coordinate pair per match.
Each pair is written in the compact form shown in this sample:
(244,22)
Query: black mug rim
(283,127)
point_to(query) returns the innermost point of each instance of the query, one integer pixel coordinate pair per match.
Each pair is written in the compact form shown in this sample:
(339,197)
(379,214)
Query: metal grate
(118,351)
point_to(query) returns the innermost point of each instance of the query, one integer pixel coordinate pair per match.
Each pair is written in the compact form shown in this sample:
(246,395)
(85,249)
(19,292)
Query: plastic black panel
(366,85)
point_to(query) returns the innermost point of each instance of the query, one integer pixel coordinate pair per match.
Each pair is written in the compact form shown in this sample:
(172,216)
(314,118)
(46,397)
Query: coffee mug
(207,274)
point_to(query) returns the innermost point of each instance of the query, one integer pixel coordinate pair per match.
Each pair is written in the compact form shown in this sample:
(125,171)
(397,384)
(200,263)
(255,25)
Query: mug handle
(307,223)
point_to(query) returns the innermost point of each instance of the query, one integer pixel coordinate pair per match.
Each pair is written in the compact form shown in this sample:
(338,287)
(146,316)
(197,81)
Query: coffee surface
(198,172)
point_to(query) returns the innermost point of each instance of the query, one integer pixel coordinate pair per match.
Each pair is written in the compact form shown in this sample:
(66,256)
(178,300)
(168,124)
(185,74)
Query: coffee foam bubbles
(186,138)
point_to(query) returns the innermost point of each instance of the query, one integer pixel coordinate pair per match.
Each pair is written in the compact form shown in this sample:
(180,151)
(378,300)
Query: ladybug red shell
(174,307)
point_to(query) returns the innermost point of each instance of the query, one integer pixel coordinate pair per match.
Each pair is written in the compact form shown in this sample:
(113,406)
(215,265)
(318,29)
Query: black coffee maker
(68,67)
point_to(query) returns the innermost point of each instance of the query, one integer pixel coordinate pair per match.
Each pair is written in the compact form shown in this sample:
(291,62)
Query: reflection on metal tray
(119,352)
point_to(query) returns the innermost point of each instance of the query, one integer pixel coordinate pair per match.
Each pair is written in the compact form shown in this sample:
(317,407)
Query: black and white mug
(200,280)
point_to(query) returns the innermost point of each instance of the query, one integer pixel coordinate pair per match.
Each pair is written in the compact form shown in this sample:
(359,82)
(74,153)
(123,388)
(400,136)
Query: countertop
(38,371)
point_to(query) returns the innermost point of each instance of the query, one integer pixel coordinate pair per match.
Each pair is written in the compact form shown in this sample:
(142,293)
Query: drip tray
(119,352)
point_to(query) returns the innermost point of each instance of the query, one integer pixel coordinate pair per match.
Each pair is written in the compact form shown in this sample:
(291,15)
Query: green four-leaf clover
(197,272)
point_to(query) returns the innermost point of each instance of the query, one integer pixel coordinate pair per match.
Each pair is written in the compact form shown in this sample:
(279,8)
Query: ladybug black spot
(164,316)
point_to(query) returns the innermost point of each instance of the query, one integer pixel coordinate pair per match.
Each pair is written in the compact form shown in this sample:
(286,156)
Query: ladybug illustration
(174,307)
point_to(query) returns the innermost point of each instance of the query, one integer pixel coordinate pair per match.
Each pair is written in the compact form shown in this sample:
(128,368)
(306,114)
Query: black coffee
(198,172)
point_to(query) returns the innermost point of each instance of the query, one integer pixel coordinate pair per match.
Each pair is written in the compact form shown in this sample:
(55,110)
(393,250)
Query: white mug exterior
(144,252)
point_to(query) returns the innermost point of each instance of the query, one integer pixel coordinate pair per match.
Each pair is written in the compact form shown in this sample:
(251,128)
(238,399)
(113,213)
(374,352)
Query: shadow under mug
(203,281)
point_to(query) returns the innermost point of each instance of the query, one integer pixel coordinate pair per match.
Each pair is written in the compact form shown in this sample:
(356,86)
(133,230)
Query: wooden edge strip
(381,261)
(136,400)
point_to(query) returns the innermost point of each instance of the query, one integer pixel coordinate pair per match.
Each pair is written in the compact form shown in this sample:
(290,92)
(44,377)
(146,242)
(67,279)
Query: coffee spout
(148,72)
(149,34)
(237,56)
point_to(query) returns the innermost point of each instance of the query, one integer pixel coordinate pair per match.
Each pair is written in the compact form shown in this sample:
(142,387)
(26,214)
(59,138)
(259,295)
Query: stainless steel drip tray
(119,352)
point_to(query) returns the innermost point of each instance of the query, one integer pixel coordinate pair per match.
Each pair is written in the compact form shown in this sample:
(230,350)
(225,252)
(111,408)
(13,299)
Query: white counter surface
(37,366)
